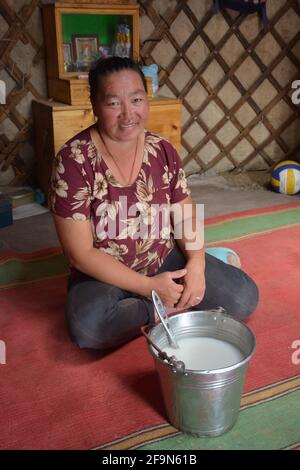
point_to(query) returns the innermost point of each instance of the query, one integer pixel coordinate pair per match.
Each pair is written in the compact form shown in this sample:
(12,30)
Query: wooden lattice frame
(17,20)
(162,29)
(17,31)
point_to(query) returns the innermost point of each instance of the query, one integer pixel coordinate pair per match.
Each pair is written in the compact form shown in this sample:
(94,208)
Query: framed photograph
(68,55)
(85,48)
(105,50)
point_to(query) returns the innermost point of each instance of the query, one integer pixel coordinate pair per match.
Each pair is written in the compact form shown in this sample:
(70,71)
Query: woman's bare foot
(234,260)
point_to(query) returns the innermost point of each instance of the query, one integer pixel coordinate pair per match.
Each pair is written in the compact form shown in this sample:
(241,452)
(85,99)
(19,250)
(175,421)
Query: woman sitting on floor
(99,174)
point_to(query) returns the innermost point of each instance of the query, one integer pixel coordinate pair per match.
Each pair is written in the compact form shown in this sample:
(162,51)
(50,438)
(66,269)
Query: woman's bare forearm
(105,268)
(77,243)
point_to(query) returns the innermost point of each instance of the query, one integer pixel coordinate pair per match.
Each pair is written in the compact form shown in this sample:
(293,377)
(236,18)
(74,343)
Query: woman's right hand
(166,287)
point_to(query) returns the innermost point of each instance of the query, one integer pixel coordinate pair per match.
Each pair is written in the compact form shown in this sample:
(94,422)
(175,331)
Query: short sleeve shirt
(130,223)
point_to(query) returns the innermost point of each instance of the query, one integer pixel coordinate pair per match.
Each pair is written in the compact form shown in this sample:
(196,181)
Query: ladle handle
(161,311)
(159,306)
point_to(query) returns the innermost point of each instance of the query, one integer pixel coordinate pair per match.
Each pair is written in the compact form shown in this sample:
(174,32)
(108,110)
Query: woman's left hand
(194,284)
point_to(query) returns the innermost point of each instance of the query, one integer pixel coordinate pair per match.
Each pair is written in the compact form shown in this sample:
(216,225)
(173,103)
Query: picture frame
(68,54)
(105,50)
(85,49)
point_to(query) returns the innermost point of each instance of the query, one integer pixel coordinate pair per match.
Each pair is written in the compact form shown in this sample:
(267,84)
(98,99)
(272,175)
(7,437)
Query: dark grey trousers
(102,316)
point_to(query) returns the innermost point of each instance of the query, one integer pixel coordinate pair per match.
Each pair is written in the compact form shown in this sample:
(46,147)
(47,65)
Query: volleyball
(286,177)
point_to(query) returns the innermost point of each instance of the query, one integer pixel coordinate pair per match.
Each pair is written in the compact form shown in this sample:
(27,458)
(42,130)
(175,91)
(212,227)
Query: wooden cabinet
(76,35)
(55,123)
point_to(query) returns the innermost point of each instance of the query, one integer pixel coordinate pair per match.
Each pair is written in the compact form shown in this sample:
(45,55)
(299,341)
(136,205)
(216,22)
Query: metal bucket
(201,402)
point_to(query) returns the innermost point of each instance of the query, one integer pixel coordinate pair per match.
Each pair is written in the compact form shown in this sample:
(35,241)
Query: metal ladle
(161,312)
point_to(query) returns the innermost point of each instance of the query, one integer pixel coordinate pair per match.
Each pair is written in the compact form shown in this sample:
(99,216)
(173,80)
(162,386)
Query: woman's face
(121,105)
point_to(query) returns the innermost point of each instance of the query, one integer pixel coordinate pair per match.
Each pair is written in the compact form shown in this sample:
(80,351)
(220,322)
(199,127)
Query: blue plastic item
(39,196)
(220,253)
(151,72)
(6,217)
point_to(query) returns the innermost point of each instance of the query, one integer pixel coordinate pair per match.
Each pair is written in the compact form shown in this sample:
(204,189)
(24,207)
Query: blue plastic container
(6,217)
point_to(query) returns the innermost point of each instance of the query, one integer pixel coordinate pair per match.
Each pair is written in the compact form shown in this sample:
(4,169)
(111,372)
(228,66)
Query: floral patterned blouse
(131,223)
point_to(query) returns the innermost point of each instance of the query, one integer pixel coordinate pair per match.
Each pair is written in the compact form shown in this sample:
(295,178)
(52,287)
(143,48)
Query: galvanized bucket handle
(178,366)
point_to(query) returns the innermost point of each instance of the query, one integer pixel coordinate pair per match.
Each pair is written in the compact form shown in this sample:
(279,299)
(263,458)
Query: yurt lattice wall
(23,71)
(234,81)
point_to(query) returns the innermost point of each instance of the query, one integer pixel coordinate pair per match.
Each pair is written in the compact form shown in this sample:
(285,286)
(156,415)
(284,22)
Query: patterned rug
(54,395)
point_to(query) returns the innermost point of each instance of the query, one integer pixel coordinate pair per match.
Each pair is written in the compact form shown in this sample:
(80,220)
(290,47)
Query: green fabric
(14,270)
(279,422)
(247,225)
(18,270)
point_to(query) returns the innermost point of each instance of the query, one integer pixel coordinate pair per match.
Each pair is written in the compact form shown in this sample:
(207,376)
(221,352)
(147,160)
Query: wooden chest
(55,123)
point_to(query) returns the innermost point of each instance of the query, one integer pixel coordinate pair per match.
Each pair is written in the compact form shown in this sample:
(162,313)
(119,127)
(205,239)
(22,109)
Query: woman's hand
(166,287)
(193,283)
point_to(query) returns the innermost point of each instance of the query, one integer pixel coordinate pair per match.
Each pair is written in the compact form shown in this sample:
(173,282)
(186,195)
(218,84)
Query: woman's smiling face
(121,105)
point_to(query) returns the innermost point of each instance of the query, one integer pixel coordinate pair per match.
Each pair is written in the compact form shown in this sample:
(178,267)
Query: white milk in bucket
(202,398)
(200,353)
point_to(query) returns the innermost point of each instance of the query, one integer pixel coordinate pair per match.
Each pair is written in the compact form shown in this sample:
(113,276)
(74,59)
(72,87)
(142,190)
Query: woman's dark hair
(106,66)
